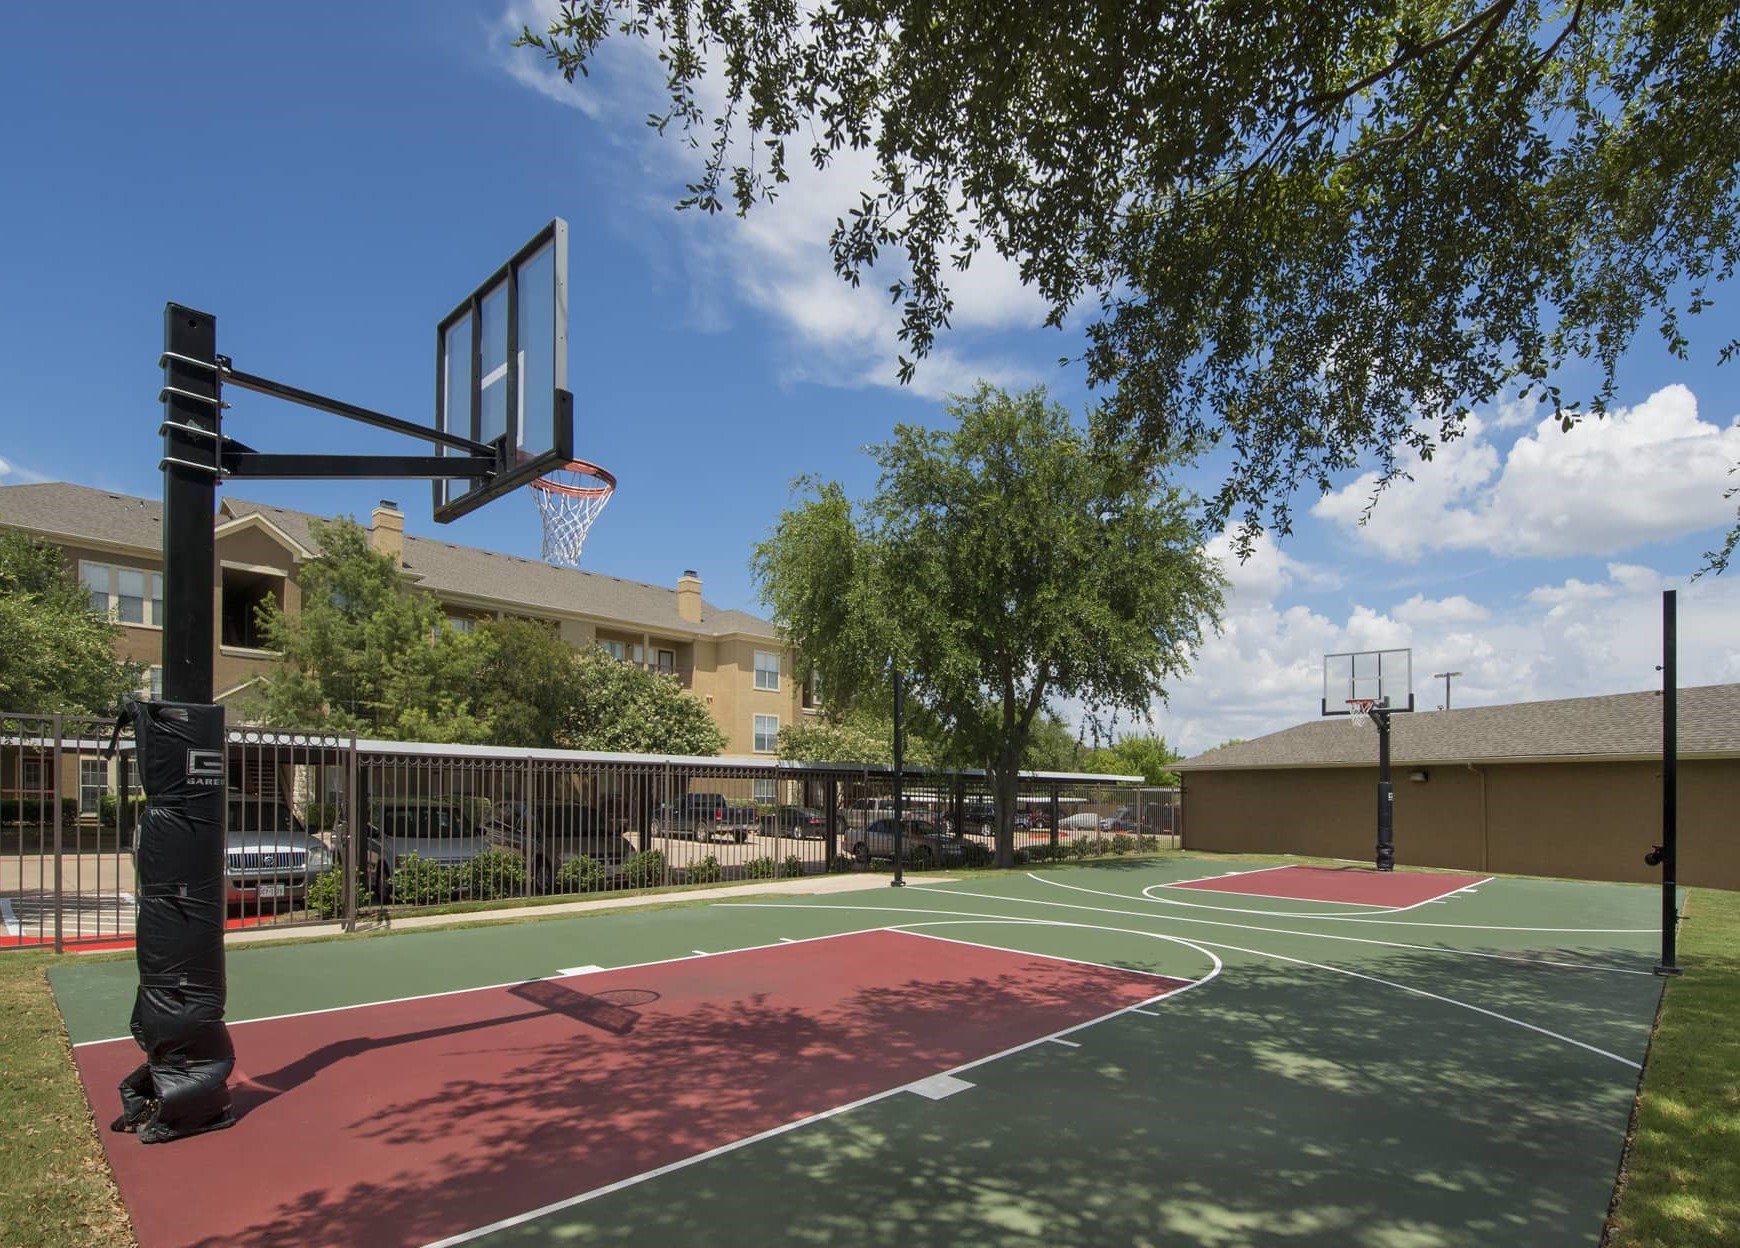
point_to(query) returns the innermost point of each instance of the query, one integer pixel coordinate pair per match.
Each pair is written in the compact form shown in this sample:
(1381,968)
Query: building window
(93,783)
(766,669)
(152,689)
(128,595)
(30,774)
(766,792)
(246,593)
(615,649)
(668,662)
(766,734)
(461,623)
(813,692)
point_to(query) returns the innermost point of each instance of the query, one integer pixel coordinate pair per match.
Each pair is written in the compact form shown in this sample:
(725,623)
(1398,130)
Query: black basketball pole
(899,880)
(1670,751)
(191,428)
(1386,832)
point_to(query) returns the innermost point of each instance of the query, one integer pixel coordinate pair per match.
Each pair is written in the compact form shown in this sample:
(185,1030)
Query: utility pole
(1445,677)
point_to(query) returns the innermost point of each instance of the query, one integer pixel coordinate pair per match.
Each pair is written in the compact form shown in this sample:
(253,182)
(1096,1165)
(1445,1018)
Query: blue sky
(328,180)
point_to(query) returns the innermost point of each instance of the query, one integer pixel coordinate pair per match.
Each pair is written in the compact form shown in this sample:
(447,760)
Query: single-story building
(1564,788)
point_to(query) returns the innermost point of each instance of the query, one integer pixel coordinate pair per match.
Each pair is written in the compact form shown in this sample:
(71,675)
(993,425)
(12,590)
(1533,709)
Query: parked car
(548,834)
(980,819)
(705,816)
(434,829)
(269,857)
(794,821)
(926,843)
(1084,821)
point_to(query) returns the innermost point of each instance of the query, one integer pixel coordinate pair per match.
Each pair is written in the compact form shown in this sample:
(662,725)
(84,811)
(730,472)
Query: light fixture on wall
(1420,775)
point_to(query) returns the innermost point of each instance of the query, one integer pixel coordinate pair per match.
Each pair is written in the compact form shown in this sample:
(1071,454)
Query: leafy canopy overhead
(1002,564)
(1310,231)
(55,653)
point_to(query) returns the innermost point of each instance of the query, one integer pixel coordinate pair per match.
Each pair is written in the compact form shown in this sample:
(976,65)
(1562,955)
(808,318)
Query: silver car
(269,857)
(435,831)
(926,843)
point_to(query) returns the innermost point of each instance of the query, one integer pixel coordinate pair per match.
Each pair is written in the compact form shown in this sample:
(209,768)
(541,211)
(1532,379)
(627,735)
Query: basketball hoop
(1358,709)
(569,499)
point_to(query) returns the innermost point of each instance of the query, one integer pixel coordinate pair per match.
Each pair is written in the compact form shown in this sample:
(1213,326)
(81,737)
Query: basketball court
(1177,1053)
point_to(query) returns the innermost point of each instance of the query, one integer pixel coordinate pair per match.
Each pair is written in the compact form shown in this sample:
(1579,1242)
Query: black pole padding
(1386,810)
(181,1088)
(1668,851)
(899,880)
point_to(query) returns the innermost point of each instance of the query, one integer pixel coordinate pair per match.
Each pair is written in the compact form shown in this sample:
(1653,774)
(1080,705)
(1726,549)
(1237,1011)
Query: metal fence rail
(325,827)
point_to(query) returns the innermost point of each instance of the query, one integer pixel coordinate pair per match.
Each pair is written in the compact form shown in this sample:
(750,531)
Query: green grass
(55,1188)
(1681,1184)
(1680,1188)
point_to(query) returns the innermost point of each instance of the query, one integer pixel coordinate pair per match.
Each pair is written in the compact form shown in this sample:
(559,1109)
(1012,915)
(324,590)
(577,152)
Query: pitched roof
(1623,725)
(79,513)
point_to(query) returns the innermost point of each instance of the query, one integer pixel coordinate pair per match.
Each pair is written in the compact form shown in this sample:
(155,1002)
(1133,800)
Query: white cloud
(1572,639)
(1645,473)
(775,258)
(11,473)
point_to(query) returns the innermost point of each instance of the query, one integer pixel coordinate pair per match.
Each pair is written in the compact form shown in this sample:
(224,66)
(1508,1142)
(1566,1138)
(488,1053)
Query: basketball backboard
(1386,676)
(501,372)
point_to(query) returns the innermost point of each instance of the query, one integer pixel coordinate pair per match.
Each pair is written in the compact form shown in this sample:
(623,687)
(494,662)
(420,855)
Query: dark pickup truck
(705,816)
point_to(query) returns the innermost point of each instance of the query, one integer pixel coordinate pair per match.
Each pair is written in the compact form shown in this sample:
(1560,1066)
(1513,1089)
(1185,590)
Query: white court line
(525,979)
(1208,945)
(1073,1044)
(1285,931)
(520,1219)
(579,970)
(9,918)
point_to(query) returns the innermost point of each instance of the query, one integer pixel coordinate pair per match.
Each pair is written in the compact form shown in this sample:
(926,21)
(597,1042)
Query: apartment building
(735,662)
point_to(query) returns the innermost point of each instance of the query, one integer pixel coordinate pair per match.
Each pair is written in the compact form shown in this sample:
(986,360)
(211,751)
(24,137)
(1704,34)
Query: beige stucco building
(735,662)
(1563,788)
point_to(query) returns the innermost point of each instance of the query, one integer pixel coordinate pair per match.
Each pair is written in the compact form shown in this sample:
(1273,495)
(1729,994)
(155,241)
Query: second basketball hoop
(569,500)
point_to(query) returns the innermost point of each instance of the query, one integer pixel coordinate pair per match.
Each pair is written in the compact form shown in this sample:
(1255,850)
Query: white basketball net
(1359,710)
(569,499)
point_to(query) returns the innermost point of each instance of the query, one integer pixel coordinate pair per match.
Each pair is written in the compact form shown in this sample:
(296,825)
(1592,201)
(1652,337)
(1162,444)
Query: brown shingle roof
(1623,725)
(76,512)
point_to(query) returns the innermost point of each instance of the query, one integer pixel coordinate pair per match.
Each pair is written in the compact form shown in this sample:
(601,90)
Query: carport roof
(1617,726)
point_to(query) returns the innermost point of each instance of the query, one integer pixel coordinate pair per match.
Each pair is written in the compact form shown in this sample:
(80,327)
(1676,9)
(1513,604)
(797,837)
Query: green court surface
(1451,1071)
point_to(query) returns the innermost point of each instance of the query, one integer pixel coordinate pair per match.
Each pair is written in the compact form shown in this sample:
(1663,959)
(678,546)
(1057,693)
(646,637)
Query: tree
(57,654)
(618,706)
(1054,746)
(1009,561)
(1313,232)
(1140,754)
(368,653)
(858,736)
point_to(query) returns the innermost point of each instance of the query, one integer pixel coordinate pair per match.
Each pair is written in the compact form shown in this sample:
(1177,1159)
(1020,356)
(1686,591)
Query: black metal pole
(1670,766)
(1386,835)
(192,427)
(899,880)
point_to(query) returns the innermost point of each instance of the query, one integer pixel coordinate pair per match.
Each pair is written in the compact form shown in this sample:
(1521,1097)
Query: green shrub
(319,816)
(1147,844)
(493,874)
(109,809)
(706,871)
(581,875)
(325,896)
(793,865)
(973,854)
(38,810)
(1122,844)
(841,864)
(759,869)
(416,881)
(644,870)
(1049,853)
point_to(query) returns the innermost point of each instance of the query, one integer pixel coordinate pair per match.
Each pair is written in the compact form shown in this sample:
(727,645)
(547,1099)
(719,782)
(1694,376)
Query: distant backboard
(1386,676)
(501,372)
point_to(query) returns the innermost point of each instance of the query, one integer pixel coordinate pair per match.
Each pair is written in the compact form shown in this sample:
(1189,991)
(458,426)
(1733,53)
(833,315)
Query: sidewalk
(805,886)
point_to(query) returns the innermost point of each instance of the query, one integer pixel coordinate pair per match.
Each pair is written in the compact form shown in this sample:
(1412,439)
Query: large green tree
(1002,563)
(368,653)
(619,706)
(55,653)
(1140,754)
(1313,232)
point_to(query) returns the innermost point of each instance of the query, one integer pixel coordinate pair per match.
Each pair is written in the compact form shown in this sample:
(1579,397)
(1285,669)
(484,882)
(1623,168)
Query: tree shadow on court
(1275,1107)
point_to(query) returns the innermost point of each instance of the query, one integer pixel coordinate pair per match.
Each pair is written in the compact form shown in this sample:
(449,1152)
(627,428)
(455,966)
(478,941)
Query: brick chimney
(387,530)
(689,596)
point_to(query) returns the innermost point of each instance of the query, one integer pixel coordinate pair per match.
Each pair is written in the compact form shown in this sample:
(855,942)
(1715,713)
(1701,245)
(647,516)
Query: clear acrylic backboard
(1385,676)
(501,372)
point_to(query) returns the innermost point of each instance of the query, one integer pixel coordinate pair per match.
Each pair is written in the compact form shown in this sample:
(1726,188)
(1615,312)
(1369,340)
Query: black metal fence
(333,828)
